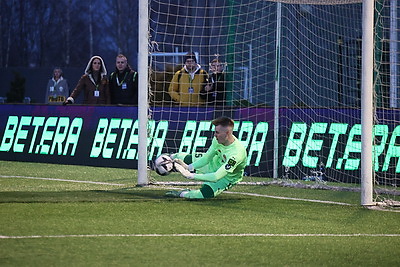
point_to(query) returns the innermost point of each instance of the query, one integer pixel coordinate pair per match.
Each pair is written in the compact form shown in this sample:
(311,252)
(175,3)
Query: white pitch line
(200,235)
(290,198)
(60,180)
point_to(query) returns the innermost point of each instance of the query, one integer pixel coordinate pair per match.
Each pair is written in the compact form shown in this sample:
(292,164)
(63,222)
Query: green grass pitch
(87,216)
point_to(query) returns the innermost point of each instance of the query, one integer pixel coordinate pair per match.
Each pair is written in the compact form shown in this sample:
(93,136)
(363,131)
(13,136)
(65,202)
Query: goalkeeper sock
(192,194)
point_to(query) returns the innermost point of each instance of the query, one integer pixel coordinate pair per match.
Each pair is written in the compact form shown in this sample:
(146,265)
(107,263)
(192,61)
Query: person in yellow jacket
(187,83)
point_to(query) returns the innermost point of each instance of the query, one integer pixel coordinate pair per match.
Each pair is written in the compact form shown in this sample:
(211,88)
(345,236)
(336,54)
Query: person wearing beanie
(190,56)
(188,82)
(93,84)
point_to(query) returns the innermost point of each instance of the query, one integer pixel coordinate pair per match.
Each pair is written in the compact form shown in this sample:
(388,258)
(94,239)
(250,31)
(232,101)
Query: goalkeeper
(221,167)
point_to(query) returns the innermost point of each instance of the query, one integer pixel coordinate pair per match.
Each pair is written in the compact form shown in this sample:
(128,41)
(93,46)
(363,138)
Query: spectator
(214,91)
(94,84)
(123,83)
(187,83)
(57,88)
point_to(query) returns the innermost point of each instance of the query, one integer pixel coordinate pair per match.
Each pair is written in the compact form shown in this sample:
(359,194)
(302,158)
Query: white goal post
(367,112)
(143,92)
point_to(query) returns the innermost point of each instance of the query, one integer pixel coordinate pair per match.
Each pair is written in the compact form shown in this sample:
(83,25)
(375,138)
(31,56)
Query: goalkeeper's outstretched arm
(185,170)
(211,177)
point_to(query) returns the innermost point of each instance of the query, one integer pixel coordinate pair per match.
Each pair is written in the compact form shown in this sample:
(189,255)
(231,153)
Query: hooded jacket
(94,92)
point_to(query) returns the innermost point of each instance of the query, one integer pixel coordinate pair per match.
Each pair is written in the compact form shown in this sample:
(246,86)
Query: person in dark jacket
(123,83)
(214,91)
(93,84)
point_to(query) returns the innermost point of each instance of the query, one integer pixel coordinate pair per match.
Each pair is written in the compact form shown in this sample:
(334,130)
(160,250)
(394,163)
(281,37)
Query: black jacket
(216,96)
(124,87)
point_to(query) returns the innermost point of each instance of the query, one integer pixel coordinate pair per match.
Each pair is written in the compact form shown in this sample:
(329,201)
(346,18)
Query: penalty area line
(199,235)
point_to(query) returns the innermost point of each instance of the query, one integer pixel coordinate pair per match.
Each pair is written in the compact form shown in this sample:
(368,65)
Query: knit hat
(190,56)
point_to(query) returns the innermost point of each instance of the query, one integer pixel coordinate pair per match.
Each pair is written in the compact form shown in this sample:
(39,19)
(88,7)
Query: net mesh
(291,73)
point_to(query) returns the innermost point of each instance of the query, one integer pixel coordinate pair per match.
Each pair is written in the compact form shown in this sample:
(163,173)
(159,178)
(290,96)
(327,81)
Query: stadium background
(32,51)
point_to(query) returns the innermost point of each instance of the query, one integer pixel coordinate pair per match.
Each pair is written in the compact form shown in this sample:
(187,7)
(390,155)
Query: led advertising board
(108,136)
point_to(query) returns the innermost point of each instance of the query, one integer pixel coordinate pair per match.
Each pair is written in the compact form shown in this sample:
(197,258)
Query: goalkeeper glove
(182,169)
(183,164)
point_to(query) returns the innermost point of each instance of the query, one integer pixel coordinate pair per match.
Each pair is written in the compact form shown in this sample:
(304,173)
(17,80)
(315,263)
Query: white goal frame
(367,112)
(143,73)
(367,173)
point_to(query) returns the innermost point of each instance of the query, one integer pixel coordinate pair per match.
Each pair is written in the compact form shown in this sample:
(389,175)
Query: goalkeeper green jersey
(222,162)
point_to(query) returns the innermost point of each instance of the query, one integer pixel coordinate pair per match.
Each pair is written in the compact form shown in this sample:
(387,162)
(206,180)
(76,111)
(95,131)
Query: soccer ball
(163,164)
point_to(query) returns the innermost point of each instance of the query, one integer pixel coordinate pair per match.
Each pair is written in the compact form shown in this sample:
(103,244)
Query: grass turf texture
(65,213)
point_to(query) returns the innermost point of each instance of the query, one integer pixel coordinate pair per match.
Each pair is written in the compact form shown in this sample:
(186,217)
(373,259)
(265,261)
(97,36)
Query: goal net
(288,73)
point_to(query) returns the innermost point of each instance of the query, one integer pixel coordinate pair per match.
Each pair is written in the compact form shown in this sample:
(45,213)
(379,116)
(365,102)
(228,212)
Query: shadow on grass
(128,194)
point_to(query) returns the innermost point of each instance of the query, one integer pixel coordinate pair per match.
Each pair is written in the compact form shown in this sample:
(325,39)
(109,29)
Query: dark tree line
(40,33)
